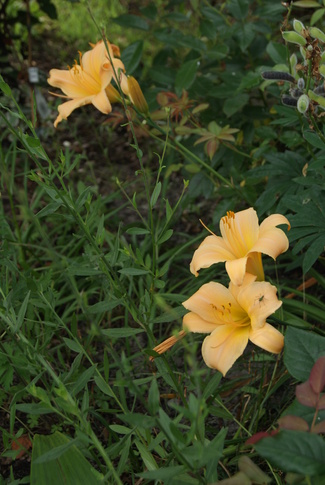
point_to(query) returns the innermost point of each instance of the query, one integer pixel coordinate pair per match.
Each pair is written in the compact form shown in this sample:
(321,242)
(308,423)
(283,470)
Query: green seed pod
(319,99)
(317,33)
(294,38)
(303,52)
(322,70)
(298,26)
(293,63)
(303,103)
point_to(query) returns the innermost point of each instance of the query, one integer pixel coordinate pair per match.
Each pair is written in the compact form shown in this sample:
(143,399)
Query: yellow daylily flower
(233,316)
(241,243)
(89,82)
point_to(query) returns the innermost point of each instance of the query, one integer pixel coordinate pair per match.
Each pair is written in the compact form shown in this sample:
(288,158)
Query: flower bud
(303,103)
(294,38)
(298,26)
(113,94)
(317,34)
(136,95)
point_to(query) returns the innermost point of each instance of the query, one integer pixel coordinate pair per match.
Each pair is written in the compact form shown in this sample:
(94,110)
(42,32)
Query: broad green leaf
(301,350)
(314,139)
(131,21)
(294,451)
(277,52)
(238,8)
(64,463)
(234,104)
(186,75)
(131,56)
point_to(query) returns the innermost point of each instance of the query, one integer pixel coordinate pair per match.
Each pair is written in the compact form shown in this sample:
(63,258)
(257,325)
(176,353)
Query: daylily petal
(210,302)
(259,300)
(94,59)
(223,347)
(268,338)
(236,270)
(272,242)
(212,250)
(101,102)
(273,221)
(192,322)
(240,231)
(66,109)
(69,82)
(255,266)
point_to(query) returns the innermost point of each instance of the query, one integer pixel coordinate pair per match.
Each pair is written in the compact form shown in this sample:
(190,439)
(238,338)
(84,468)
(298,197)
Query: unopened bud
(136,95)
(317,33)
(113,94)
(294,38)
(303,103)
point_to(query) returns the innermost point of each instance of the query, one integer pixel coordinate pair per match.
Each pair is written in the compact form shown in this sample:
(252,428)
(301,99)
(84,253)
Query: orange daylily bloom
(233,316)
(241,243)
(89,82)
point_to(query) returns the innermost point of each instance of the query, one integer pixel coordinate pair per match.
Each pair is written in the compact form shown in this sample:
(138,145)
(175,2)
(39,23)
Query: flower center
(225,313)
